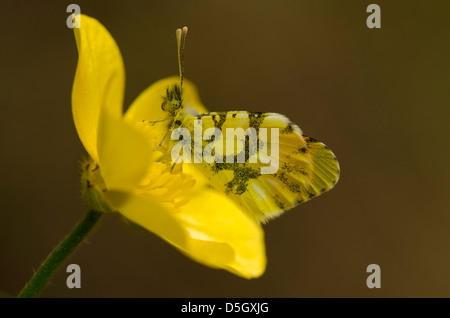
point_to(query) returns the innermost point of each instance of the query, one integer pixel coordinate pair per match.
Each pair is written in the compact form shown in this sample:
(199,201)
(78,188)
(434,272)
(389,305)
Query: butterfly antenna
(181,40)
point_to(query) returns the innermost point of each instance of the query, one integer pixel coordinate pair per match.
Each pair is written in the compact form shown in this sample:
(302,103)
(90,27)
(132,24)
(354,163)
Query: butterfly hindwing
(305,169)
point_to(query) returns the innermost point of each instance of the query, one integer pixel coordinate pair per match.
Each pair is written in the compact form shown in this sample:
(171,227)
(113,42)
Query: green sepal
(93,188)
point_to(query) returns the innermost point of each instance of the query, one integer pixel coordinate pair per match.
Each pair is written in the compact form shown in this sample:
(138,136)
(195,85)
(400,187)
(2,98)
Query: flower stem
(54,260)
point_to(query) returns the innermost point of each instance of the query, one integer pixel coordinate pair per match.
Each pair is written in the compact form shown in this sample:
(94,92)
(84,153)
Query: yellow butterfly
(231,149)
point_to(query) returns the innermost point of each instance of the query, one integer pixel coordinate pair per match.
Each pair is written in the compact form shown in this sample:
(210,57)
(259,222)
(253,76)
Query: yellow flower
(126,173)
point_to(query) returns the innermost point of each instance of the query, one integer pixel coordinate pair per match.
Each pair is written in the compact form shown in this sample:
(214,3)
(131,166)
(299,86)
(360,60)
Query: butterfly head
(172,102)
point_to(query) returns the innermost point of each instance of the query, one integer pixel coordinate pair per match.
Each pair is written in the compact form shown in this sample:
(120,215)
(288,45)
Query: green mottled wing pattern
(306,167)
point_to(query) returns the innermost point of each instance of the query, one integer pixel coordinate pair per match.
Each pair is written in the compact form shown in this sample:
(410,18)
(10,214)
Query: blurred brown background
(379,98)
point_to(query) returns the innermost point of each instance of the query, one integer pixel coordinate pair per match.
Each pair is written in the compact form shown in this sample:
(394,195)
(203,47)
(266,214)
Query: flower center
(165,181)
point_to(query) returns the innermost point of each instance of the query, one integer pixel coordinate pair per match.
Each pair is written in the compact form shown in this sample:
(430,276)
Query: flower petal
(147,105)
(124,153)
(210,229)
(150,215)
(99,80)
(214,222)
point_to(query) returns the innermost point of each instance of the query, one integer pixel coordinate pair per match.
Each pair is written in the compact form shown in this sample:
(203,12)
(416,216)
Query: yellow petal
(148,104)
(99,80)
(124,153)
(216,226)
(210,229)
(150,215)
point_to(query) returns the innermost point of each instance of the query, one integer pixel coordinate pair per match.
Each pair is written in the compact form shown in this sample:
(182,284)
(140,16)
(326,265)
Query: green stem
(49,267)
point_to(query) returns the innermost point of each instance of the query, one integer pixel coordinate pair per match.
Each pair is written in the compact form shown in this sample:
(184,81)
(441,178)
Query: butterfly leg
(153,122)
(160,144)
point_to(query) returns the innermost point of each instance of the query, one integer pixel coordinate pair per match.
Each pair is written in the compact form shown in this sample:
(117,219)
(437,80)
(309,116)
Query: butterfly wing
(306,167)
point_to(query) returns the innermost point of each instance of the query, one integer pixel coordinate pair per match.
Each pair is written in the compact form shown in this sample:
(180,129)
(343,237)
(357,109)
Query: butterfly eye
(175,104)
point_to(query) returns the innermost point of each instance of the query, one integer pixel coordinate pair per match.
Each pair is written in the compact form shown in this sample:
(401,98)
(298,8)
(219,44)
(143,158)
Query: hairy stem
(54,260)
